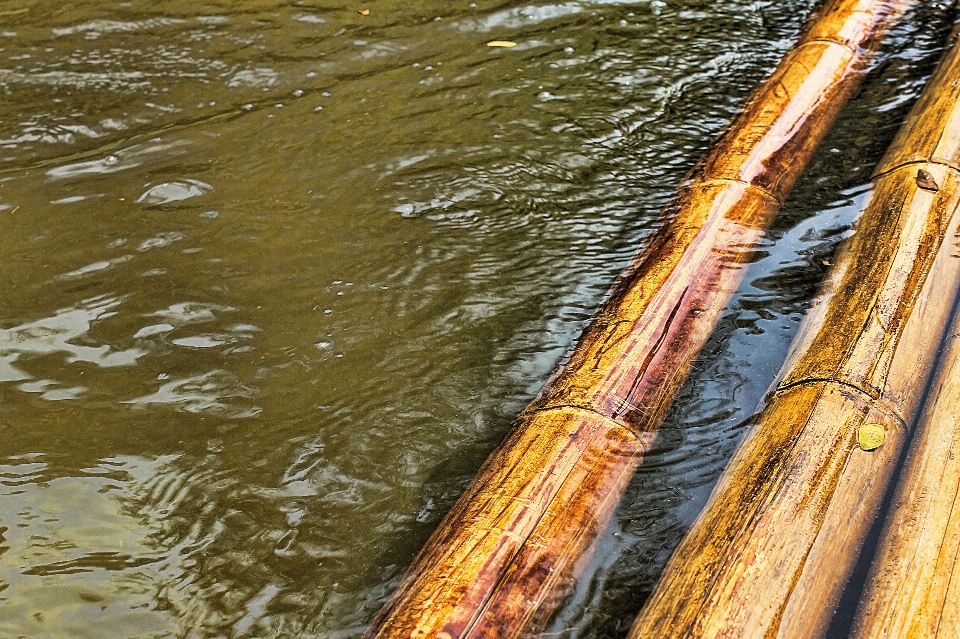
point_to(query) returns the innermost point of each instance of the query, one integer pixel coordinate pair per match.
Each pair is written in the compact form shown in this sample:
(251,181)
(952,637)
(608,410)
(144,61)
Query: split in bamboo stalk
(782,531)
(507,552)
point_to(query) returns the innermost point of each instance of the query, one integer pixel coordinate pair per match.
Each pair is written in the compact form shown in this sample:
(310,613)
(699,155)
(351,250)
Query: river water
(275,277)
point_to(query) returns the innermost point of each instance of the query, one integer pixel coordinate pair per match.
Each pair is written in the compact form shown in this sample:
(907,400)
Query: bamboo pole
(773,549)
(506,553)
(912,588)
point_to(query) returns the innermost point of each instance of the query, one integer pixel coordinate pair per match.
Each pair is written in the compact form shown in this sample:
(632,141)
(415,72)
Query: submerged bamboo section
(773,549)
(505,555)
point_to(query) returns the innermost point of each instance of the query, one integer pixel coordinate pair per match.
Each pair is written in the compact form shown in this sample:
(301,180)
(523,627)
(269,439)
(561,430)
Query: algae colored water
(276,277)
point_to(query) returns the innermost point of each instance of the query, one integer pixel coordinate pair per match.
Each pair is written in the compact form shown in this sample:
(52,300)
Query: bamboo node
(870,436)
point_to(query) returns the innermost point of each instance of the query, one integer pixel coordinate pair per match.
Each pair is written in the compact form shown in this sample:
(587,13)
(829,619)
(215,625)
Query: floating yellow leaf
(364,12)
(501,43)
(870,436)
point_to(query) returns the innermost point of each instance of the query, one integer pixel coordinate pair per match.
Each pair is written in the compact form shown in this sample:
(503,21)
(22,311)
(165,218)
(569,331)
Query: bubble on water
(298,93)
(210,215)
(323,345)
(318,108)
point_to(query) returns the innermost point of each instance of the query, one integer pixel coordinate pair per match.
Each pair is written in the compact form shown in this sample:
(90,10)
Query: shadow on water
(277,276)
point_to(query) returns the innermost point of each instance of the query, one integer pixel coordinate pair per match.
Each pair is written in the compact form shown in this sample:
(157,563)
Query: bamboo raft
(773,549)
(507,552)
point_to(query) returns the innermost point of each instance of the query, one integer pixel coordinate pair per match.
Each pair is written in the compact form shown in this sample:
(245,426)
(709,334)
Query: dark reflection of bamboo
(771,553)
(505,555)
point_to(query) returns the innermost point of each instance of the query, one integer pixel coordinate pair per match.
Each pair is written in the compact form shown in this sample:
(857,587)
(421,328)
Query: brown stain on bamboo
(771,552)
(505,554)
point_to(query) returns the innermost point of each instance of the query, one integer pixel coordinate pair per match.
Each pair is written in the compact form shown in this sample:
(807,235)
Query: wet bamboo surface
(773,549)
(507,552)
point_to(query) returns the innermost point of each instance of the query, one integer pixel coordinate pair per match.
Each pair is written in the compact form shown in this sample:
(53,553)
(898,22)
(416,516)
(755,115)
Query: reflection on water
(277,276)
(202,392)
(53,335)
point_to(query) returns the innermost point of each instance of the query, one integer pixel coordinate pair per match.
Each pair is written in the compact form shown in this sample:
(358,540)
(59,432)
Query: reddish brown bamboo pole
(506,553)
(770,554)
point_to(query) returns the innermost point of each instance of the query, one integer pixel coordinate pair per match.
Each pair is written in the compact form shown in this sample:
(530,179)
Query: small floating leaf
(363,12)
(926,182)
(501,43)
(870,436)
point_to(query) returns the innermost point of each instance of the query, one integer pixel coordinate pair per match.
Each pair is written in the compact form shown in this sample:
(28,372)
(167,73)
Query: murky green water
(276,277)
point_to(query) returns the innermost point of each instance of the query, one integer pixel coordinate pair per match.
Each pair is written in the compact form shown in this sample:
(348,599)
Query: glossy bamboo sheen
(508,550)
(773,549)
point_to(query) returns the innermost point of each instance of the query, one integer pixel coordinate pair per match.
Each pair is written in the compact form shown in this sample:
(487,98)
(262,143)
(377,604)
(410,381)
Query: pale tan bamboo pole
(773,549)
(913,588)
(506,553)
